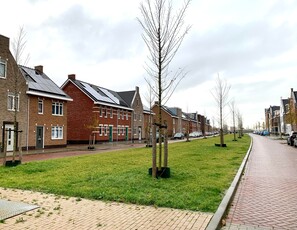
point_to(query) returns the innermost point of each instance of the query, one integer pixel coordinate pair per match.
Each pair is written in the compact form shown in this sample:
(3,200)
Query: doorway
(39,137)
(10,137)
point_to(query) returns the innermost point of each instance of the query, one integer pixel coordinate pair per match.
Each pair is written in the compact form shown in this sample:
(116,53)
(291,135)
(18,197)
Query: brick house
(291,114)
(13,97)
(272,119)
(172,116)
(285,128)
(97,113)
(40,104)
(133,99)
(47,115)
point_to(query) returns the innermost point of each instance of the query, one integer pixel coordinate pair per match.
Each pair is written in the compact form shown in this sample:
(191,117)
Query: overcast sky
(252,44)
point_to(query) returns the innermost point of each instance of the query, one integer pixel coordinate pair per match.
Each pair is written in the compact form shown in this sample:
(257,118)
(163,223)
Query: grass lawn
(200,175)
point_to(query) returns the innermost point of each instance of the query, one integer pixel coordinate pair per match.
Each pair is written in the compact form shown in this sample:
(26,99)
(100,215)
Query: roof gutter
(49,95)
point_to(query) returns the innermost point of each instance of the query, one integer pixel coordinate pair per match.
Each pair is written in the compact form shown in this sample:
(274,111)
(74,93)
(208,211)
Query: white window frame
(101,130)
(58,106)
(3,63)
(57,132)
(11,102)
(105,130)
(40,103)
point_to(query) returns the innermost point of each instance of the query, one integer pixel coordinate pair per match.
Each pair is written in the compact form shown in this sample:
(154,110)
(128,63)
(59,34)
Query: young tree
(163,33)
(18,49)
(150,98)
(220,94)
(232,109)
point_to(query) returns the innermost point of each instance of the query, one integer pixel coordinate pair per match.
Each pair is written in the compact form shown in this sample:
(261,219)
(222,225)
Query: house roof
(101,95)
(127,96)
(40,84)
(284,103)
(171,111)
(147,110)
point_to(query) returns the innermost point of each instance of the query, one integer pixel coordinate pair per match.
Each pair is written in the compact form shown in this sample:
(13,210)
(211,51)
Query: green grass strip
(200,175)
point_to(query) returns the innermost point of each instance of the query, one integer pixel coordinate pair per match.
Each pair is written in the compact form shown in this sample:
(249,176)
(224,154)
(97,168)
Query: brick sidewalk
(267,194)
(57,212)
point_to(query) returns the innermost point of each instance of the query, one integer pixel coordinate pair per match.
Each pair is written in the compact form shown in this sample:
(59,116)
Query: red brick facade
(88,120)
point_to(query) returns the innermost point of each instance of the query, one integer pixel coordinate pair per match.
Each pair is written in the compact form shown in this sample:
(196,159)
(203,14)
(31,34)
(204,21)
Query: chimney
(39,69)
(4,42)
(71,76)
(137,89)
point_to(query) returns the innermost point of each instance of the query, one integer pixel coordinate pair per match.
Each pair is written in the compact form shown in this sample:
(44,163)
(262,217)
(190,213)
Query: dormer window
(2,68)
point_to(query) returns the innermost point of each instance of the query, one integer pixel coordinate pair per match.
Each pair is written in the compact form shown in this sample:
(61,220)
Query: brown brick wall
(7,85)
(46,120)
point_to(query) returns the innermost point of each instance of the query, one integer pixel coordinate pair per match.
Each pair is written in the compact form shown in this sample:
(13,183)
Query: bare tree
(150,98)
(240,124)
(232,109)
(163,33)
(220,94)
(18,49)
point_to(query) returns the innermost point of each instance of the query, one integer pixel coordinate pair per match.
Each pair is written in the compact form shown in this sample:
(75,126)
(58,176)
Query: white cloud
(252,44)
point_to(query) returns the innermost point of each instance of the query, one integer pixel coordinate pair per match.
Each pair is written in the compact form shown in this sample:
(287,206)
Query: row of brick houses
(283,118)
(77,112)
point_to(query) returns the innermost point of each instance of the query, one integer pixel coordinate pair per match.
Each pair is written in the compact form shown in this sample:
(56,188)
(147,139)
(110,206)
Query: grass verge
(200,175)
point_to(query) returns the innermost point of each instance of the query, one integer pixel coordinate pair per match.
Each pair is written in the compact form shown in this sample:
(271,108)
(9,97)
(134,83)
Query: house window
(105,130)
(111,113)
(100,130)
(13,102)
(40,106)
(105,112)
(100,111)
(2,68)
(127,116)
(57,132)
(57,108)
(135,116)
(140,117)
(119,114)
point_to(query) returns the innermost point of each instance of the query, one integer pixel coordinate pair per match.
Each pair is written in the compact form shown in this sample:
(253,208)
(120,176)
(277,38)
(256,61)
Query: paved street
(267,194)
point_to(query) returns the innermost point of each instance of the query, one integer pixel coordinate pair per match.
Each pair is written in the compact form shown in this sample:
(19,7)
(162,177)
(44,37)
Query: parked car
(295,142)
(291,138)
(194,134)
(265,133)
(179,136)
(157,137)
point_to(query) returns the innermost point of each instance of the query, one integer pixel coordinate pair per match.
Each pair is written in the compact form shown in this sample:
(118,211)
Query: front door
(10,137)
(110,133)
(39,137)
(126,134)
(139,133)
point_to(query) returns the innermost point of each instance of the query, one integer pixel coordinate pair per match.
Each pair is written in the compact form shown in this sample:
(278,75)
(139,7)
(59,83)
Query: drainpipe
(28,124)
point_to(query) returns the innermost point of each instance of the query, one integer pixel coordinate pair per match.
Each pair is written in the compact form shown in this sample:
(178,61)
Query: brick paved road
(267,194)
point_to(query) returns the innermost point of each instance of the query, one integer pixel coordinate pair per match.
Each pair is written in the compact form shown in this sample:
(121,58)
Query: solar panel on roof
(41,82)
(96,94)
(111,96)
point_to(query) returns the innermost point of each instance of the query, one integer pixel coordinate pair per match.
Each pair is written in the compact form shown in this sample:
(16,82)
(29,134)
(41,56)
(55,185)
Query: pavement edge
(216,220)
